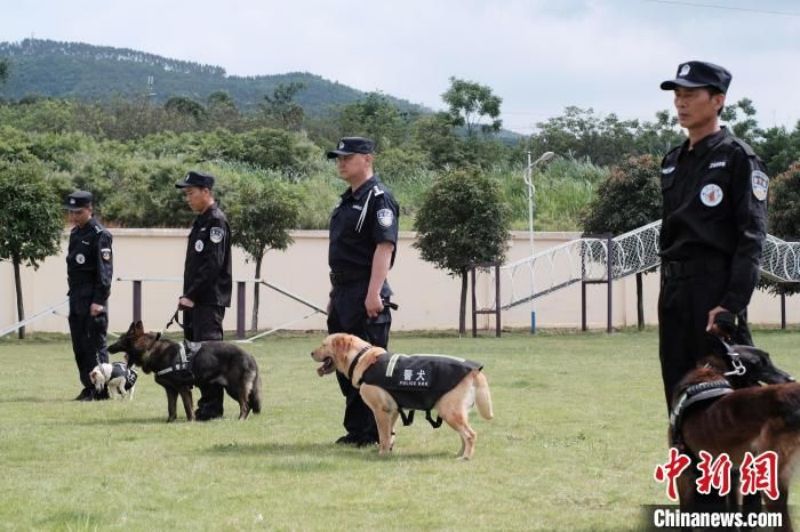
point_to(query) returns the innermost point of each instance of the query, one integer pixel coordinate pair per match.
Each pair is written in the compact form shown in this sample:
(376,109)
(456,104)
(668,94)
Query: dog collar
(355,361)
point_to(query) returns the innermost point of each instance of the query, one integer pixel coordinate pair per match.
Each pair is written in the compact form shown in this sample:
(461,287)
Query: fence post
(474,305)
(609,277)
(783,310)
(240,314)
(497,299)
(137,300)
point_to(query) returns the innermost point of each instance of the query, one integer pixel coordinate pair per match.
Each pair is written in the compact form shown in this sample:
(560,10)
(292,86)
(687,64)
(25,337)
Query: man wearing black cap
(89,273)
(362,248)
(714,190)
(207,280)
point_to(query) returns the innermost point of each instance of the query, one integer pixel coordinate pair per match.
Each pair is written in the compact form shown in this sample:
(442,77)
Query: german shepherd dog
(353,356)
(751,417)
(215,362)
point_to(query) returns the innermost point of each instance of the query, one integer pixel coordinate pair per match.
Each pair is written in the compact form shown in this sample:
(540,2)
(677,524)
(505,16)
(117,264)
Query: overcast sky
(538,55)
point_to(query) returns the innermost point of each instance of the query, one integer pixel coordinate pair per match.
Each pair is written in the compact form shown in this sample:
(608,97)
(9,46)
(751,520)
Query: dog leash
(739,369)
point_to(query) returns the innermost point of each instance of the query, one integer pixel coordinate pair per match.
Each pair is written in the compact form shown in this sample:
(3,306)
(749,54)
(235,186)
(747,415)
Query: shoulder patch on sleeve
(216,234)
(385,217)
(106,254)
(760,184)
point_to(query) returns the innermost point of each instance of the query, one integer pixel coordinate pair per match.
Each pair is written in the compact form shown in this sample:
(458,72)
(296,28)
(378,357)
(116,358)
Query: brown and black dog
(748,417)
(353,356)
(215,362)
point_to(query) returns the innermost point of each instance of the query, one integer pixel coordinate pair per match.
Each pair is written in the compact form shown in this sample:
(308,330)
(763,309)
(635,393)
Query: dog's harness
(696,393)
(184,362)
(120,369)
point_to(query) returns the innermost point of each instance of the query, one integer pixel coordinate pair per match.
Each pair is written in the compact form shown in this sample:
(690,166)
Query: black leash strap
(174,319)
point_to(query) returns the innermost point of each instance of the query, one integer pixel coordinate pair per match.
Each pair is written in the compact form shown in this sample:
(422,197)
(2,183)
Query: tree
(281,106)
(469,103)
(745,128)
(185,106)
(462,222)
(31,224)
(262,210)
(374,117)
(634,184)
(3,70)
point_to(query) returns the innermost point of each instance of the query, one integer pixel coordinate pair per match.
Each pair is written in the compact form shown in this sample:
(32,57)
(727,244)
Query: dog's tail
(483,398)
(255,395)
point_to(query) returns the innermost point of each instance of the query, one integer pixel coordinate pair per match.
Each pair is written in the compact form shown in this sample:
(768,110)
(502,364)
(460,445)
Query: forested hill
(88,72)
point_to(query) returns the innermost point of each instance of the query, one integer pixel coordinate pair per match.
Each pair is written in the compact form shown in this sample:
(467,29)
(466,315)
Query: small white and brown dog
(117,378)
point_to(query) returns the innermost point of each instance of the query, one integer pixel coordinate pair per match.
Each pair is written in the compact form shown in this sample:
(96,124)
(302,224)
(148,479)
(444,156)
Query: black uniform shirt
(715,207)
(362,220)
(89,262)
(207,271)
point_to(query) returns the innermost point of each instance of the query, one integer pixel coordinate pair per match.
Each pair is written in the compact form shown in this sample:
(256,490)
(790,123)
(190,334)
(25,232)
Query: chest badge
(711,195)
(760,183)
(198,246)
(385,217)
(80,259)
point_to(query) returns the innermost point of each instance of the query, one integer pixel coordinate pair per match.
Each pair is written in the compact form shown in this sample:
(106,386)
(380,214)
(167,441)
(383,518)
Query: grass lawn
(580,425)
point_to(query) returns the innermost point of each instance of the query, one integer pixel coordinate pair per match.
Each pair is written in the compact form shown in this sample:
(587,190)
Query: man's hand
(96,309)
(712,327)
(185,302)
(373,304)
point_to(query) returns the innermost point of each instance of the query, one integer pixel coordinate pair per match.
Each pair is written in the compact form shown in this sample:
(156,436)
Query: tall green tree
(471,104)
(374,117)
(635,184)
(462,222)
(281,107)
(3,70)
(31,224)
(262,209)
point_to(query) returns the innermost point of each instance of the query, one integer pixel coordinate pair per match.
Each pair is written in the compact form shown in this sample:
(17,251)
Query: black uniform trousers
(88,333)
(348,315)
(683,307)
(204,323)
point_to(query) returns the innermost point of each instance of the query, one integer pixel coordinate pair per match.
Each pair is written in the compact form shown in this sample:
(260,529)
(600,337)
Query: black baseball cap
(80,199)
(693,74)
(196,179)
(351,145)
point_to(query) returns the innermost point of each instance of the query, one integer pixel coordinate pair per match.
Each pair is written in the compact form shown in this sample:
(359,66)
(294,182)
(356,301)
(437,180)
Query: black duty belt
(340,278)
(675,269)
(76,279)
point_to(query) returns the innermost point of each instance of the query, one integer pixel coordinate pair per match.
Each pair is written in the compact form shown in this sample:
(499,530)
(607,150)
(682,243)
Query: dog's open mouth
(326,367)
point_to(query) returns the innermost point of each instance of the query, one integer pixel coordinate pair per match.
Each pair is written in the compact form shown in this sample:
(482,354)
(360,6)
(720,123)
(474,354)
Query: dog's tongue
(325,368)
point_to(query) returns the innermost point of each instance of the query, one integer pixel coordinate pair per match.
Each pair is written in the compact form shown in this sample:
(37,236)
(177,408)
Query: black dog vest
(119,369)
(417,382)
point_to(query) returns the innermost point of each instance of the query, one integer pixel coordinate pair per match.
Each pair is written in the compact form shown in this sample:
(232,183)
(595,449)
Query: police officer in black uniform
(89,273)
(207,280)
(362,248)
(714,224)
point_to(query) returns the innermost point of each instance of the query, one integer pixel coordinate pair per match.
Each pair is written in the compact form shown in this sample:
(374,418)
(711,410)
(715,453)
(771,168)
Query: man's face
(80,217)
(197,198)
(353,166)
(697,107)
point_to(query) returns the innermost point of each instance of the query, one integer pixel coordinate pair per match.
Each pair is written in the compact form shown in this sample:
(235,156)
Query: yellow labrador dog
(389,382)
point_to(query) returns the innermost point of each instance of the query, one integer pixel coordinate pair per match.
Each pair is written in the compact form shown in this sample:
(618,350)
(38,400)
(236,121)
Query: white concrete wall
(428,297)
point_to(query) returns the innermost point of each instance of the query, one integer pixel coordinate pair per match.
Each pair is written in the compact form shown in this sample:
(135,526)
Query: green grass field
(580,425)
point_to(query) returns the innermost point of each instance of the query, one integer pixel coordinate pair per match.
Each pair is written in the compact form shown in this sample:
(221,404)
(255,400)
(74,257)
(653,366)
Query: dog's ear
(339,343)
(139,328)
(132,328)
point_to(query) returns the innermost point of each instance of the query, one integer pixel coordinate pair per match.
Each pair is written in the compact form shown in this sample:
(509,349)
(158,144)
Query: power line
(728,8)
